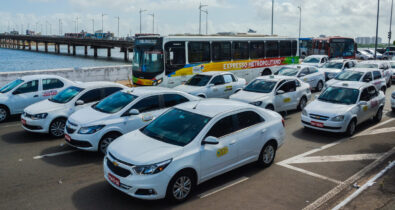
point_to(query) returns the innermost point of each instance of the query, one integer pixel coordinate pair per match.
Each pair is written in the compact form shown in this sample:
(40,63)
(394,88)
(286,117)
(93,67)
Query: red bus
(334,47)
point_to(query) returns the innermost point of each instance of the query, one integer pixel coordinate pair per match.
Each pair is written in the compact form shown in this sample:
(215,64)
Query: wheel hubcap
(57,128)
(3,114)
(182,187)
(104,144)
(268,154)
(302,103)
(319,85)
(352,128)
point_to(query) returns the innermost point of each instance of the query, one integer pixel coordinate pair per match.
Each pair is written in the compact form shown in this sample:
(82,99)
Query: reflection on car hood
(327,109)
(45,106)
(139,149)
(88,115)
(190,89)
(248,97)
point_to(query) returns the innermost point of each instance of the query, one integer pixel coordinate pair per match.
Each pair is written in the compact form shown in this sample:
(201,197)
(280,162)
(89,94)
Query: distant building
(367,40)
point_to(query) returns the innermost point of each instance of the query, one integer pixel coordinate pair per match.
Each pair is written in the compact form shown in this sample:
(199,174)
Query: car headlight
(39,116)
(338,118)
(90,129)
(304,112)
(256,103)
(151,169)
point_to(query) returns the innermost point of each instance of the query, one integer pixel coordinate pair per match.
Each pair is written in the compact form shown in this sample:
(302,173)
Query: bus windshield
(341,48)
(147,59)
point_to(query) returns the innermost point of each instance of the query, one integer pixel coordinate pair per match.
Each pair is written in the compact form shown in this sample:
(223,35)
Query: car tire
(302,103)
(383,89)
(379,115)
(56,128)
(270,107)
(180,187)
(106,140)
(389,84)
(393,110)
(4,113)
(267,155)
(351,127)
(319,87)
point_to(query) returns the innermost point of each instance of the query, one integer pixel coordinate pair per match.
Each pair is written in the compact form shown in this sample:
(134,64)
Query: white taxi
(49,116)
(213,84)
(342,106)
(392,70)
(372,76)
(275,92)
(383,66)
(336,66)
(189,144)
(95,127)
(315,60)
(22,92)
(309,74)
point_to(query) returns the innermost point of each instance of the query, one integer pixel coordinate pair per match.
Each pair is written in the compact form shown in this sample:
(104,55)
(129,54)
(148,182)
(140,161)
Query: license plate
(67,137)
(113,179)
(317,124)
(23,122)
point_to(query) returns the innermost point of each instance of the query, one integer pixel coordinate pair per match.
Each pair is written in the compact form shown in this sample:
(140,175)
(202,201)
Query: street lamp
(153,22)
(377,28)
(389,33)
(141,11)
(300,19)
(102,28)
(76,25)
(118,25)
(93,25)
(200,16)
(272,15)
(206,11)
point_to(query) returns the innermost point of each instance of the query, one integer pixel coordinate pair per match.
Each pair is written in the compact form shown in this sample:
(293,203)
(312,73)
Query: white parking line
(53,154)
(310,173)
(381,130)
(373,127)
(337,158)
(218,189)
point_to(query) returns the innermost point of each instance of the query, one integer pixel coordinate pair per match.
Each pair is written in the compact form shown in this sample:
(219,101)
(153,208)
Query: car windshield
(339,95)
(66,95)
(349,76)
(176,126)
(367,65)
(333,65)
(260,86)
(311,60)
(393,65)
(198,80)
(10,85)
(114,102)
(287,71)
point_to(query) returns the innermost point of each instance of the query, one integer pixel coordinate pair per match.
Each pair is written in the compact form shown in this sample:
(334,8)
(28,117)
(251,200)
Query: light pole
(377,29)
(389,33)
(206,11)
(200,16)
(118,25)
(300,19)
(153,22)
(102,27)
(60,27)
(76,25)
(93,25)
(141,11)
(272,15)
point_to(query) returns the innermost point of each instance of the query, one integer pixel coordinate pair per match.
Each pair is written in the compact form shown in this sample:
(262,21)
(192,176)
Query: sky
(349,18)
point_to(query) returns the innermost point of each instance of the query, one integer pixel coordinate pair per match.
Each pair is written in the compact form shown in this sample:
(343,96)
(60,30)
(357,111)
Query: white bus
(171,60)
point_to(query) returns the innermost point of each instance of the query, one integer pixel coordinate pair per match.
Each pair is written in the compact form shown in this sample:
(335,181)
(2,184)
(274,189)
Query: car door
(230,86)
(218,158)
(50,87)
(374,101)
(377,79)
(364,112)
(304,75)
(367,77)
(149,108)
(285,101)
(217,87)
(26,94)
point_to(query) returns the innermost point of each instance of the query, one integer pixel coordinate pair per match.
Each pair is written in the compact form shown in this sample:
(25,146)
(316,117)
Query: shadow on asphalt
(71,159)
(22,137)
(13,118)
(390,114)
(102,195)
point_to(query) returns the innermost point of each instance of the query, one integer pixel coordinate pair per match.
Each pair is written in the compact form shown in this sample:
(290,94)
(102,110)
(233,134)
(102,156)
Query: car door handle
(35,96)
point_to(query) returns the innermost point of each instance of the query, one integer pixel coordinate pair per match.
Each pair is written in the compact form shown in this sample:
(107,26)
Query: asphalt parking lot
(40,172)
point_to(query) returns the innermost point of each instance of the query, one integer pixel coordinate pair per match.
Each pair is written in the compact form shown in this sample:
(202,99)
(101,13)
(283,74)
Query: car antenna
(194,107)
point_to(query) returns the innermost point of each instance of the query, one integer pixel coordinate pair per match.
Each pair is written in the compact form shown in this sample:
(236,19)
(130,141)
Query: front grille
(121,161)
(319,117)
(79,143)
(70,130)
(117,170)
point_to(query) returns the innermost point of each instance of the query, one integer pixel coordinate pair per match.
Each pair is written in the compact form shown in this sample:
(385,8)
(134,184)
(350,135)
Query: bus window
(285,48)
(175,56)
(240,50)
(257,50)
(198,52)
(221,51)
(294,48)
(271,49)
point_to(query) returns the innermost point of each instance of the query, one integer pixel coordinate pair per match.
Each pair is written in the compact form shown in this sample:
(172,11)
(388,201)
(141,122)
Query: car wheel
(383,89)
(4,113)
(270,107)
(302,103)
(379,115)
(389,84)
(56,129)
(106,140)
(320,85)
(267,155)
(180,187)
(351,128)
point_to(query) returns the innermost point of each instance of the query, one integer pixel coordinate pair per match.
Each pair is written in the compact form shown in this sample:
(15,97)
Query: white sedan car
(20,93)
(189,144)
(278,93)
(213,84)
(49,116)
(392,71)
(308,74)
(95,127)
(383,66)
(336,66)
(342,106)
(315,60)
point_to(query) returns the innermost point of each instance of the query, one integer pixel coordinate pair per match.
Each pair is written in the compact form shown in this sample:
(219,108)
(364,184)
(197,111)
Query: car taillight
(282,120)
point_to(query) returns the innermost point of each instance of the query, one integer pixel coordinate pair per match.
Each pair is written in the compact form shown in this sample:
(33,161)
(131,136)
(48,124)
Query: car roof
(298,66)
(351,84)
(317,56)
(275,77)
(373,62)
(212,73)
(213,106)
(99,84)
(141,91)
(40,76)
(362,69)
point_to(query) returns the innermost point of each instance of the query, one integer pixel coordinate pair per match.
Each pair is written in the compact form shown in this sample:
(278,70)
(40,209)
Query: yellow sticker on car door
(287,100)
(222,151)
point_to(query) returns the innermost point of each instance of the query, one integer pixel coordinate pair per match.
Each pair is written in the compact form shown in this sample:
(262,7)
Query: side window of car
(367,77)
(173,99)
(376,75)
(365,95)
(247,119)
(233,77)
(304,72)
(313,70)
(91,96)
(372,92)
(147,104)
(297,83)
(223,127)
(218,80)
(228,78)
(109,90)
(52,84)
(289,86)
(28,87)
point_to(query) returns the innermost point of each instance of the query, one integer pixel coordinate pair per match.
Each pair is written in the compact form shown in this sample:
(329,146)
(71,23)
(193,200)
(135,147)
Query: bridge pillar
(37,46)
(126,55)
(46,46)
(86,50)
(108,52)
(68,49)
(95,52)
(30,45)
(74,50)
(21,43)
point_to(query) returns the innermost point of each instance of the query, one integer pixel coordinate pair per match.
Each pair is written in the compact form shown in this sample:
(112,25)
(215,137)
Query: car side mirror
(134,112)
(79,102)
(210,140)
(362,103)
(279,92)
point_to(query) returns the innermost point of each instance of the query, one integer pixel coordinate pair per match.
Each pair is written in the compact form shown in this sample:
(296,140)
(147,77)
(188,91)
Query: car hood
(311,64)
(190,89)
(88,115)
(247,96)
(326,109)
(139,149)
(45,106)
(328,70)
(331,82)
